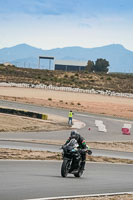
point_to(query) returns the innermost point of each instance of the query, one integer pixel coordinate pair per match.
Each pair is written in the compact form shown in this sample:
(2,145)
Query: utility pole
(39,63)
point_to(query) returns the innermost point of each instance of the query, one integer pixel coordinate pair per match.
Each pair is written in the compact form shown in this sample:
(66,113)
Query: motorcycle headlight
(73,150)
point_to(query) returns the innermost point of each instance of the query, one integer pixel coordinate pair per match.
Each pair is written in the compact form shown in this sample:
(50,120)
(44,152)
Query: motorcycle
(72,159)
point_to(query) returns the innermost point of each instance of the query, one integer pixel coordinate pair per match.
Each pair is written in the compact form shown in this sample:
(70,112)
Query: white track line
(82,196)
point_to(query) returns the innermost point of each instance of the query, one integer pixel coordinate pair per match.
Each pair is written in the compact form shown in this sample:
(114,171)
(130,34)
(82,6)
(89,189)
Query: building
(67,65)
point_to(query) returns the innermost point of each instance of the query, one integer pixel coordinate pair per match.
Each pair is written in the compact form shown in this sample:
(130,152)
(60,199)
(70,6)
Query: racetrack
(42,179)
(113,125)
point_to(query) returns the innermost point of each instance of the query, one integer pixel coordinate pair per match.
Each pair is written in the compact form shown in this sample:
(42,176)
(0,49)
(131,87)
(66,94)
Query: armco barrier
(23,113)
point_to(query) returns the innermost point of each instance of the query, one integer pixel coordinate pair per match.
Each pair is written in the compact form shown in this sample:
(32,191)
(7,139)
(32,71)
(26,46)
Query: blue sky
(51,24)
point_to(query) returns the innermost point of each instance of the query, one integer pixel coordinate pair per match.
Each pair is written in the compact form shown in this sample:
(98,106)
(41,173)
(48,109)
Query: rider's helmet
(74,135)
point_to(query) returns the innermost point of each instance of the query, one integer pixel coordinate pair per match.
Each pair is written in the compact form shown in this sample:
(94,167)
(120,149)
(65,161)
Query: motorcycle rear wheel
(64,168)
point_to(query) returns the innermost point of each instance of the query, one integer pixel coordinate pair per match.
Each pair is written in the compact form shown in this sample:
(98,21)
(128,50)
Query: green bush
(72,77)
(109,78)
(65,76)
(76,74)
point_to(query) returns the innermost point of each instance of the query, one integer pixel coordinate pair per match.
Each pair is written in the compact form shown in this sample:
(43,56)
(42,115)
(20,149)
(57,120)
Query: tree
(90,66)
(101,65)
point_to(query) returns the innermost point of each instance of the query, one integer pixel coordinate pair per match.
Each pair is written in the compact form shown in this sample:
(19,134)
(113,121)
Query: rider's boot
(82,165)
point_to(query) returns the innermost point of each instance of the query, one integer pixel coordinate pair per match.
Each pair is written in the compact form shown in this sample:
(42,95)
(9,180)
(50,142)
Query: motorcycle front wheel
(65,168)
(79,173)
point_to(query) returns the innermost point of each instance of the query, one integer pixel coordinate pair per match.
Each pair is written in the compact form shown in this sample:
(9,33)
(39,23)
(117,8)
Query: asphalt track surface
(42,179)
(113,125)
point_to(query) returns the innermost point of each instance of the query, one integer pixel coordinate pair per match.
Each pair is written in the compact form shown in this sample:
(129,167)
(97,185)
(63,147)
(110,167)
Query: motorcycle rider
(82,145)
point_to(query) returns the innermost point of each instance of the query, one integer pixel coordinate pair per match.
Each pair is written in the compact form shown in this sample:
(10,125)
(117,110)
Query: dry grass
(10,123)
(6,153)
(115,82)
(112,197)
(116,146)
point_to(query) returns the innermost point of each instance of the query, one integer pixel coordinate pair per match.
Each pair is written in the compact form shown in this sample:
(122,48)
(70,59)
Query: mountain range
(24,55)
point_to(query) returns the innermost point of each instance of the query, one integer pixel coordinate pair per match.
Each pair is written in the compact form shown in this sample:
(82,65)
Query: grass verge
(6,153)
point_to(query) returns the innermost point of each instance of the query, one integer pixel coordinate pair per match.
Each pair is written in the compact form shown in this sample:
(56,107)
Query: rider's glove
(82,151)
(62,146)
(89,152)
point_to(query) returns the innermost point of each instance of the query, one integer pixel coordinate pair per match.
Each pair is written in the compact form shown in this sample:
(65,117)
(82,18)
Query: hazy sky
(50,24)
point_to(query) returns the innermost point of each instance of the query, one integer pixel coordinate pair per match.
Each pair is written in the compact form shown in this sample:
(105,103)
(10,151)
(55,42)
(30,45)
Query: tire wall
(13,111)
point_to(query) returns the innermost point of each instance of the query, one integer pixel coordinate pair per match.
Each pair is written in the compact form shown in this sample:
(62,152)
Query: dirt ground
(113,197)
(14,154)
(19,123)
(92,103)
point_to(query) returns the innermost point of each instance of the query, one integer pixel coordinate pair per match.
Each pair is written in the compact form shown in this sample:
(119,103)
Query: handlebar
(80,150)
(85,151)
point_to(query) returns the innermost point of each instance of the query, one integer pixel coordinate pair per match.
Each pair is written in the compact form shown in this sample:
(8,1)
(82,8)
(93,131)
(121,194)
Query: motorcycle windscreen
(73,143)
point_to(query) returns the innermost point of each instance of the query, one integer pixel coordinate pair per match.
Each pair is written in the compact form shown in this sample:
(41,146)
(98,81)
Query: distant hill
(23,55)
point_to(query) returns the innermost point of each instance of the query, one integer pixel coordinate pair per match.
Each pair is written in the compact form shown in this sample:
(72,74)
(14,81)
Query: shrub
(108,79)
(76,74)
(72,103)
(65,76)
(50,99)
(72,77)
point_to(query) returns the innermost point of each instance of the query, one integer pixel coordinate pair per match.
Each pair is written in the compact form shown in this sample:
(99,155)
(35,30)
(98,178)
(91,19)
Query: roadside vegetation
(6,153)
(117,82)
